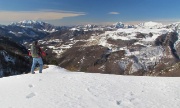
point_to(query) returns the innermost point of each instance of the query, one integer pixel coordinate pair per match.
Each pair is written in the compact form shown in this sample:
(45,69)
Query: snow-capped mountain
(92,27)
(22,34)
(139,50)
(42,26)
(118,25)
(174,26)
(88,27)
(150,24)
(28,30)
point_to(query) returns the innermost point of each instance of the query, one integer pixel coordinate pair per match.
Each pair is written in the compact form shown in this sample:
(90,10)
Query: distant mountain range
(143,49)
(28,30)
(148,48)
(39,25)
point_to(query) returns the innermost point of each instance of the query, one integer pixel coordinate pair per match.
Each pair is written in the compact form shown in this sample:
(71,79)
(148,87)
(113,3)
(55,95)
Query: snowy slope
(58,88)
(150,24)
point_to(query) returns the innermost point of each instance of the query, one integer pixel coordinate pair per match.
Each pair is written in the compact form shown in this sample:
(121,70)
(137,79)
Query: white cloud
(114,13)
(12,16)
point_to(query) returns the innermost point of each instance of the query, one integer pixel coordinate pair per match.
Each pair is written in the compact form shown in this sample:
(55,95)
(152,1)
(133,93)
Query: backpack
(36,52)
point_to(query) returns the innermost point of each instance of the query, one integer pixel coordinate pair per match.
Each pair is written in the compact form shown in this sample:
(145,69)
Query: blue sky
(70,12)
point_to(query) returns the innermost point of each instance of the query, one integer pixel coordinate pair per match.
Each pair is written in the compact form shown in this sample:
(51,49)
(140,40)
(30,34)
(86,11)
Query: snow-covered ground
(58,88)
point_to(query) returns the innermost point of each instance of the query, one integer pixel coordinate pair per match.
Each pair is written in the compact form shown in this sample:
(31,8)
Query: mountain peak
(28,22)
(150,24)
(40,25)
(118,25)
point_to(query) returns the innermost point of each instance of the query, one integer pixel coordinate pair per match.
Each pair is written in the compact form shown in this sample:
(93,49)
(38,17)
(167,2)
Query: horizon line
(94,23)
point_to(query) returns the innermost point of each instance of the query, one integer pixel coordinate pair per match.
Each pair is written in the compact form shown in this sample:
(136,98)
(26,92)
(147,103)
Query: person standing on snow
(37,54)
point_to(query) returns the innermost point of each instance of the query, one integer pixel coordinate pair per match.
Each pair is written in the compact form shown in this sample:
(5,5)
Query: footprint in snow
(128,100)
(30,86)
(30,95)
(118,102)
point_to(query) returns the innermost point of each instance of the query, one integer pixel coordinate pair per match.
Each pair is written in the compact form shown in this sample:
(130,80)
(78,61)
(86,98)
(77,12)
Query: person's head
(35,42)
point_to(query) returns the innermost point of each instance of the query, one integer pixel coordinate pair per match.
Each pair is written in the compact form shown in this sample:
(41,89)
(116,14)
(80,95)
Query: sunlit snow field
(59,88)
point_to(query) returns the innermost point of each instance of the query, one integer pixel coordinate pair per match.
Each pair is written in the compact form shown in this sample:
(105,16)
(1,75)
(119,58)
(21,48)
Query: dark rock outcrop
(13,58)
(168,41)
